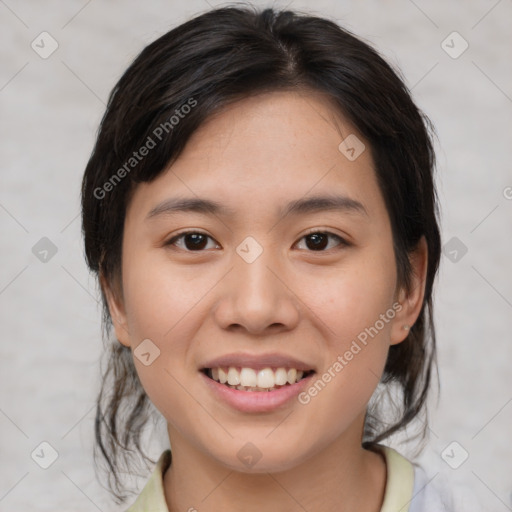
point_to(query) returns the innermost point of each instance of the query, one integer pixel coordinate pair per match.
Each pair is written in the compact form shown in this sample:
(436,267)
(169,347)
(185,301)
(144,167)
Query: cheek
(159,296)
(355,297)
(357,310)
(359,315)
(159,303)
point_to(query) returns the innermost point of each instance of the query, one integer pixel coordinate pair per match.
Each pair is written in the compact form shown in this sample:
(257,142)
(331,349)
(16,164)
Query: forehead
(265,150)
(286,124)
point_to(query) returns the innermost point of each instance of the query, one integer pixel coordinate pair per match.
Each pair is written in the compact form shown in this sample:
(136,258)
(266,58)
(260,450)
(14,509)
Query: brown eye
(190,241)
(319,240)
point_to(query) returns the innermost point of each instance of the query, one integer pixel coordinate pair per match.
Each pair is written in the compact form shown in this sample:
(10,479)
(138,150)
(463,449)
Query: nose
(255,297)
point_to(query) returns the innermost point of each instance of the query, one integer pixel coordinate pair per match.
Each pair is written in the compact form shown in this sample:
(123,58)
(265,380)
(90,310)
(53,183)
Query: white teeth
(266,378)
(233,376)
(281,377)
(248,379)
(223,378)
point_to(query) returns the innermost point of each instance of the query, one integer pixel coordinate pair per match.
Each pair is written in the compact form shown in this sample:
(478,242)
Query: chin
(260,458)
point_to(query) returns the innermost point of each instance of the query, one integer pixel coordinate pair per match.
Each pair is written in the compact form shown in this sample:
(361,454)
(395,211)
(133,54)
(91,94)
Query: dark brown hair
(212,60)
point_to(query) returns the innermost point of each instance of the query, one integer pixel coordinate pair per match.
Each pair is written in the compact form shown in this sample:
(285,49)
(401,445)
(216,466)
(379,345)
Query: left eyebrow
(298,207)
(323,203)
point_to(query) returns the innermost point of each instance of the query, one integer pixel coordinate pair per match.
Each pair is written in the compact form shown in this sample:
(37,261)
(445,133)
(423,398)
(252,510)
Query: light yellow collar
(397,496)
(152,497)
(399,481)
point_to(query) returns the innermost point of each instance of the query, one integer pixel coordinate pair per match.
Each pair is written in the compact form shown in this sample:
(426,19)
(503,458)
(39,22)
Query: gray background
(50,109)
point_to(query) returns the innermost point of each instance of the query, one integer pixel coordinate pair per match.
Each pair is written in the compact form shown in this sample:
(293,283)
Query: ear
(411,300)
(117,311)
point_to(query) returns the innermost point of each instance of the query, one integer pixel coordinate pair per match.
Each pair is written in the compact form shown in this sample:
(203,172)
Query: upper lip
(257,362)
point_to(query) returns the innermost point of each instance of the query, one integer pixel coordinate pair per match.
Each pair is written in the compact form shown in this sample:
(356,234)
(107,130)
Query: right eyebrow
(190,204)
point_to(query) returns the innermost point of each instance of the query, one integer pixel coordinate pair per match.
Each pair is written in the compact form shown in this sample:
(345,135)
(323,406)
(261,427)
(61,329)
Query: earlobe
(117,312)
(411,300)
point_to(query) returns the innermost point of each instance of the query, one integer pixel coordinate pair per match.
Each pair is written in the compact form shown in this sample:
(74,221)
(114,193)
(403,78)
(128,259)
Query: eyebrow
(298,207)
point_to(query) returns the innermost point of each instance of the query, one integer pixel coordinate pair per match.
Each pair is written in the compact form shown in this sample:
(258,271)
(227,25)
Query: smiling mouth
(249,379)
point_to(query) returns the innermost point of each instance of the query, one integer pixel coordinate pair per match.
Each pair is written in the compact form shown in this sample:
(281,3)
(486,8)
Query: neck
(341,477)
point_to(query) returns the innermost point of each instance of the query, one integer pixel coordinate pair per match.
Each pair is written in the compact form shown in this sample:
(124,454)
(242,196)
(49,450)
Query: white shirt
(438,494)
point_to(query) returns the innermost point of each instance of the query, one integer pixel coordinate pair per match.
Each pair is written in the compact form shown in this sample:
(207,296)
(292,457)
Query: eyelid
(325,231)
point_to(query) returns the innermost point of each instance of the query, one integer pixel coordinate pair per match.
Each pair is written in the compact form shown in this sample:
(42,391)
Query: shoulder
(411,488)
(439,493)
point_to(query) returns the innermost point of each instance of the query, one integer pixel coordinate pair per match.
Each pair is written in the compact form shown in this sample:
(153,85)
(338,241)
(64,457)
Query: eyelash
(342,241)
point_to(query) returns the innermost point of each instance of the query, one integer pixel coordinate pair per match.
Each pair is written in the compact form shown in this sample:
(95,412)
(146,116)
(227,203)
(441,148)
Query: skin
(254,157)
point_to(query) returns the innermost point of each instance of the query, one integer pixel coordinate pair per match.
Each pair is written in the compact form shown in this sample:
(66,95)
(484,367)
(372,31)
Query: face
(268,278)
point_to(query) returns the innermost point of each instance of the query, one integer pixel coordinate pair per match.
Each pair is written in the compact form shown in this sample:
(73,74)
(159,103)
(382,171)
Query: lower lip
(256,401)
